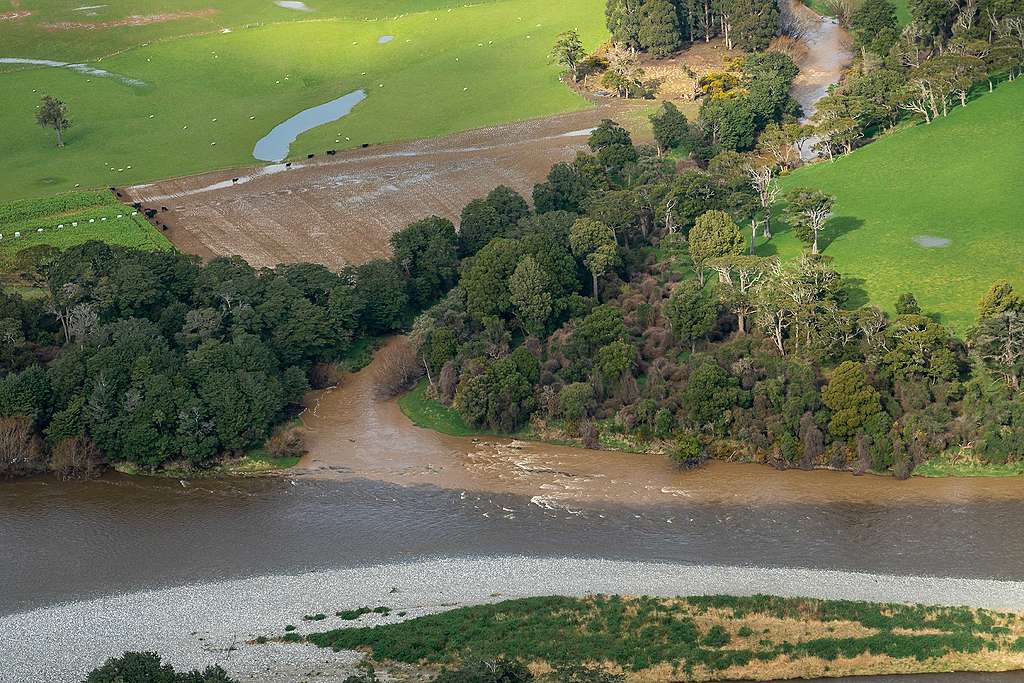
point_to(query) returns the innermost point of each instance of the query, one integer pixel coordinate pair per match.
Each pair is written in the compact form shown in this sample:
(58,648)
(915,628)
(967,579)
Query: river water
(375,489)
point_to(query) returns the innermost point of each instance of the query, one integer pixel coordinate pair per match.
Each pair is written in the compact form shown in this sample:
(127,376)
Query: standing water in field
(293,4)
(385,39)
(80,68)
(274,145)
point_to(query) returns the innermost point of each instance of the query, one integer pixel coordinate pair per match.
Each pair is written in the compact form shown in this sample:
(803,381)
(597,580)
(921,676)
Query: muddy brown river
(375,489)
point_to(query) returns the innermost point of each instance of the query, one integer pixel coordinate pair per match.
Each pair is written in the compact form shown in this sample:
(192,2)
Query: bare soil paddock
(342,209)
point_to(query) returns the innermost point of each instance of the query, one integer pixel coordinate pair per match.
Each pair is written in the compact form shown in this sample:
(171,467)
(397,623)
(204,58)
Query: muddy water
(352,434)
(374,489)
(828,53)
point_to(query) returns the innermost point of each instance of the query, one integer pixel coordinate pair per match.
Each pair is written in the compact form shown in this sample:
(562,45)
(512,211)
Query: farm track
(342,209)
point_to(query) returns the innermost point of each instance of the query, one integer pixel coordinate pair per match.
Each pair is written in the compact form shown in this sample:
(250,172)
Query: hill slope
(958,179)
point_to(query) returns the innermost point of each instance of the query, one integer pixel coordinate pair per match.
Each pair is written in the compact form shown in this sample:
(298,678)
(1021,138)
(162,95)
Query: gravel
(210,623)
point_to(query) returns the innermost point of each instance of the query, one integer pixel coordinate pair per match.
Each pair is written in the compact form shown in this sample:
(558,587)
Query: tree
(623,19)
(999,298)
(730,121)
(594,243)
(659,32)
(427,252)
(692,313)
(807,210)
(612,145)
(762,180)
(531,300)
(568,52)
(875,27)
(852,400)
(146,667)
(565,190)
(54,114)
(714,235)
(671,130)
(509,205)
(710,395)
(478,225)
(782,142)
(907,304)
(753,22)
(998,341)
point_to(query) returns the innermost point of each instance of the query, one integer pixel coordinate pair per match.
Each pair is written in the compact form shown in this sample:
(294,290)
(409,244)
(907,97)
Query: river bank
(211,623)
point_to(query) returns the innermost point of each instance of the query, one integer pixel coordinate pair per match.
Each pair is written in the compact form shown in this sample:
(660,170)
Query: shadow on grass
(836,227)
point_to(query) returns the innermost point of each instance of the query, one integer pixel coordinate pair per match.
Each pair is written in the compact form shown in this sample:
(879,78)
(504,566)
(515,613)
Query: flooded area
(274,146)
(83,69)
(376,489)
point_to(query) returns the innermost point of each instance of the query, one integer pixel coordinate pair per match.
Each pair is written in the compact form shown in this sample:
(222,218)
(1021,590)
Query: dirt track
(342,209)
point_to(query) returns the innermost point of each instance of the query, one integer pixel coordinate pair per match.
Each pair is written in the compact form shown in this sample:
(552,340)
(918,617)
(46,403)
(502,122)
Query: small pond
(84,69)
(385,39)
(293,4)
(930,242)
(274,146)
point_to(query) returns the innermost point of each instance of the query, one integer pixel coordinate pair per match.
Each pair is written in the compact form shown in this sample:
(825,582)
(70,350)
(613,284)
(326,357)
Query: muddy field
(342,209)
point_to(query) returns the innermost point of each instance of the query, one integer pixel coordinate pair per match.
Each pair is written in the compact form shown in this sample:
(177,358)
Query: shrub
(717,637)
(487,671)
(288,442)
(76,457)
(21,451)
(686,452)
(396,370)
(146,667)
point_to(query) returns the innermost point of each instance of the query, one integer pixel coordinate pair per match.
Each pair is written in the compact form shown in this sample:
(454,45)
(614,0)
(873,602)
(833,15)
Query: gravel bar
(210,623)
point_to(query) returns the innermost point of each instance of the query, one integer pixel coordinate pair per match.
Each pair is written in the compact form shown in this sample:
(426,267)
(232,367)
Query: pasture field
(98,215)
(958,179)
(217,83)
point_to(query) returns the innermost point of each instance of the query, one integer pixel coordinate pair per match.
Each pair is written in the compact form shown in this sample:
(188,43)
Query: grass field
(957,179)
(822,7)
(209,95)
(700,638)
(81,216)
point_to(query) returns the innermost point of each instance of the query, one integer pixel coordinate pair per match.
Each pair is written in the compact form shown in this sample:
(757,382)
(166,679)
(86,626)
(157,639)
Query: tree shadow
(856,295)
(836,227)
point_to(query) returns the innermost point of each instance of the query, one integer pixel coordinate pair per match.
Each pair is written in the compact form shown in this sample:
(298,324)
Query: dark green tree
(671,130)
(659,32)
(875,27)
(692,313)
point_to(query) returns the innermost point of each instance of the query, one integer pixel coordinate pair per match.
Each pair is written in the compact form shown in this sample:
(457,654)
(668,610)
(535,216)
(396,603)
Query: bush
(76,457)
(145,667)
(717,637)
(288,442)
(21,451)
(397,369)
(686,452)
(488,671)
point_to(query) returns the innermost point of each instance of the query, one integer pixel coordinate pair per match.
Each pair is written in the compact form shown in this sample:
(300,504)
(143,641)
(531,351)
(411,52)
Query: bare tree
(762,180)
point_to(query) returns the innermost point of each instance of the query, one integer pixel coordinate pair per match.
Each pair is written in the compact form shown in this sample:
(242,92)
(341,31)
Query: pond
(275,145)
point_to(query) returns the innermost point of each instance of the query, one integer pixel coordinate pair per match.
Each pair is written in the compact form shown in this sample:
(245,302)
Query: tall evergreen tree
(875,27)
(623,17)
(659,33)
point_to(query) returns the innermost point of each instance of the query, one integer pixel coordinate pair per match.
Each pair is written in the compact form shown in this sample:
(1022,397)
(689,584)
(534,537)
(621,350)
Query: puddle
(582,133)
(930,242)
(274,145)
(293,4)
(385,39)
(84,69)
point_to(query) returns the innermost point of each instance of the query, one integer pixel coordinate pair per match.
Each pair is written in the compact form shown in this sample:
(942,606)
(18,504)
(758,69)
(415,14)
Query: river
(376,490)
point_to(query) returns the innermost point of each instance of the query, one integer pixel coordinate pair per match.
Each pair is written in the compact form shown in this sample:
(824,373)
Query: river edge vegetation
(621,638)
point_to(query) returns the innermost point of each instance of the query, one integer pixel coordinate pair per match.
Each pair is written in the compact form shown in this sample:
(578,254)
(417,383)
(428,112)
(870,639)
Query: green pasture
(81,217)
(958,179)
(209,97)
(822,7)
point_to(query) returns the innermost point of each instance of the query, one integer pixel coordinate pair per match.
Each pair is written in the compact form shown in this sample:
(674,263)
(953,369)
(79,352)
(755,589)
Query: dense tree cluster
(949,51)
(767,360)
(151,358)
(661,27)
